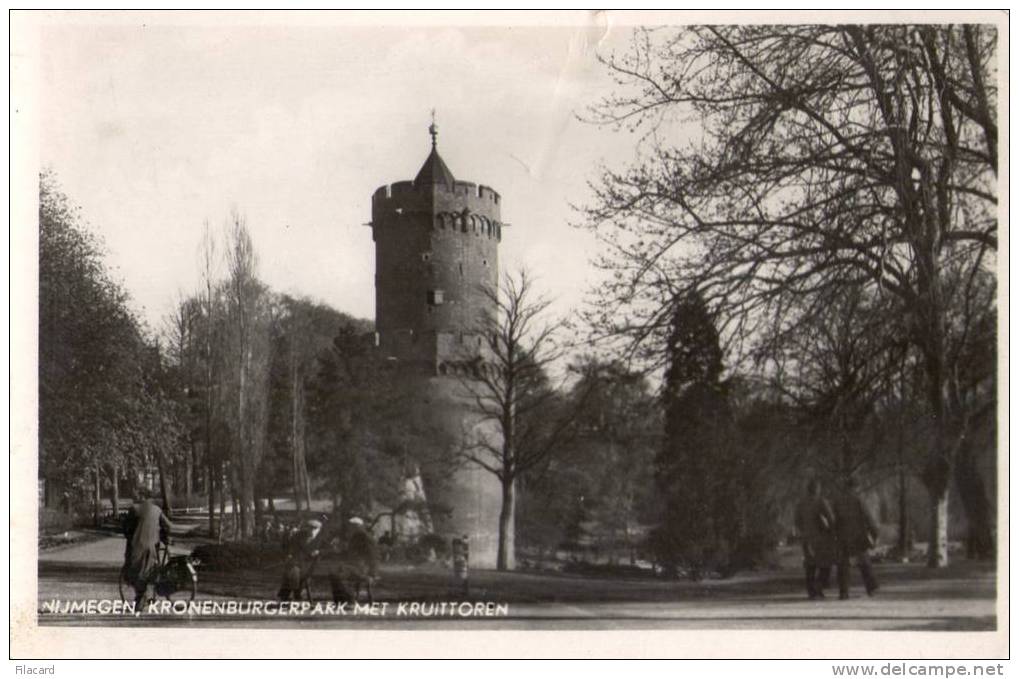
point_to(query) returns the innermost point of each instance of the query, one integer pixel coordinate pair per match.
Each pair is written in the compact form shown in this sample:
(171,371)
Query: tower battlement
(486,193)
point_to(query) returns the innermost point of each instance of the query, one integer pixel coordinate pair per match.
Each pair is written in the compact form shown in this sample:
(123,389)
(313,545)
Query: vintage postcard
(633,334)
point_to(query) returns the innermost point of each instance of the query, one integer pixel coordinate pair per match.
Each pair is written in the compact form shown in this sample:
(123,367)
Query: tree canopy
(781,164)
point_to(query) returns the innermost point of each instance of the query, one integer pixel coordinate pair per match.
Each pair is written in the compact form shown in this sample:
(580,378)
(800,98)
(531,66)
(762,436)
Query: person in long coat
(359,564)
(148,527)
(815,523)
(857,533)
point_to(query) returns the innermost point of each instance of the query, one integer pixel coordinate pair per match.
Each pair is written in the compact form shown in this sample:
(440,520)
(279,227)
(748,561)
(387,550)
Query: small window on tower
(426,256)
(435,297)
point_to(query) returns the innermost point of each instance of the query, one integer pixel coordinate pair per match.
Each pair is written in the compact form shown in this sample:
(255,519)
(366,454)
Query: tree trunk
(210,482)
(247,498)
(221,482)
(236,534)
(97,500)
(258,510)
(188,474)
(295,437)
(506,558)
(296,474)
(937,548)
(938,471)
(115,492)
(238,488)
(307,482)
(976,505)
(240,501)
(905,539)
(164,483)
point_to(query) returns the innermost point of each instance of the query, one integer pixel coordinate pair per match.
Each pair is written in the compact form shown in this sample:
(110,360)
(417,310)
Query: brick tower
(436,251)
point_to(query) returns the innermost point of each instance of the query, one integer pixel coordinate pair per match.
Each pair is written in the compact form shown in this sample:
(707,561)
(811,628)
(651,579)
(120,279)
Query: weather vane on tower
(433,129)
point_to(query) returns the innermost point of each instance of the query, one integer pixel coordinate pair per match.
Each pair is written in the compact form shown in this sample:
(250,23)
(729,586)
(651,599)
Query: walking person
(461,552)
(815,523)
(358,565)
(856,531)
(145,528)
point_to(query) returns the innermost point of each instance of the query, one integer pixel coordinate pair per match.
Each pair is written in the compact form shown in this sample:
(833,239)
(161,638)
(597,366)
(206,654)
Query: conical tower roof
(434,171)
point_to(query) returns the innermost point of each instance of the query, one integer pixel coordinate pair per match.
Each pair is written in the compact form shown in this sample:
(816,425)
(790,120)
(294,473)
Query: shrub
(436,543)
(230,556)
(54,521)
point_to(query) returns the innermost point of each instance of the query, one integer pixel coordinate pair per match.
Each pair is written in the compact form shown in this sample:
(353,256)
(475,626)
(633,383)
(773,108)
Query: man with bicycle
(303,547)
(145,528)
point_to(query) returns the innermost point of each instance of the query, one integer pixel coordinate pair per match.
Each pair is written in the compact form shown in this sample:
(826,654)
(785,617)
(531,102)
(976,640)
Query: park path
(912,597)
(103,551)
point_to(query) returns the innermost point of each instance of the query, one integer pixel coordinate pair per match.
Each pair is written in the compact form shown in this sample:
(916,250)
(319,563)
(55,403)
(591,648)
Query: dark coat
(855,527)
(815,522)
(361,555)
(142,557)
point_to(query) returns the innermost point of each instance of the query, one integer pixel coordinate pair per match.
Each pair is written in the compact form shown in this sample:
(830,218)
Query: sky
(155,124)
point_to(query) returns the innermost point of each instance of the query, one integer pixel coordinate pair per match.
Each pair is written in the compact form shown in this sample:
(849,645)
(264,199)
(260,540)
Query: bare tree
(830,156)
(510,386)
(181,329)
(300,345)
(213,470)
(297,358)
(249,354)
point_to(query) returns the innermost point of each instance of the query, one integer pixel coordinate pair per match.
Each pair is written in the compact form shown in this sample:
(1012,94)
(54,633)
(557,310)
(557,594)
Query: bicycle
(173,575)
(297,574)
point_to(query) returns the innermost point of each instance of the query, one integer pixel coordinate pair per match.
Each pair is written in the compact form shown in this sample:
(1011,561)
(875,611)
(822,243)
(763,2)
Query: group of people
(835,532)
(348,554)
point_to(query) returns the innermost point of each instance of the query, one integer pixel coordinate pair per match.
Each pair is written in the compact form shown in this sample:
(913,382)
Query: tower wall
(470,498)
(436,252)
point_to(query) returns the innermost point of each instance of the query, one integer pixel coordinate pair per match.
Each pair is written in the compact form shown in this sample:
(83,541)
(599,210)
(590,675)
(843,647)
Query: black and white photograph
(664,324)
